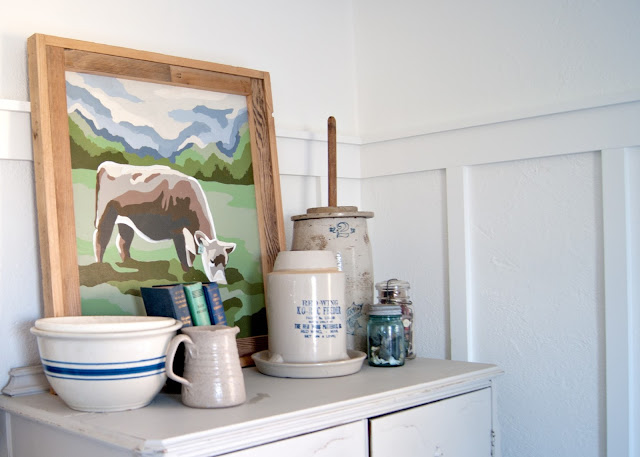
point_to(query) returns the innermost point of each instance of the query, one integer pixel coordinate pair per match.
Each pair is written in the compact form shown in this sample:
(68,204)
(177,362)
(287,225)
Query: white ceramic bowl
(105,371)
(102,324)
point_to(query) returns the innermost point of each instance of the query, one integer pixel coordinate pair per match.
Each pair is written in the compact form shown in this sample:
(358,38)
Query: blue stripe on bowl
(98,372)
(103,363)
(105,379)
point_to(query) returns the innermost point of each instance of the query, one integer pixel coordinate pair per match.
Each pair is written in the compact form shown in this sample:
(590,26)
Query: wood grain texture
(43,171)
(247,346)
(49,58)
(103,49)
(63,183)
(109,65)
(264,166)
(209,80)
(274,167)
(332,166)
(61,295)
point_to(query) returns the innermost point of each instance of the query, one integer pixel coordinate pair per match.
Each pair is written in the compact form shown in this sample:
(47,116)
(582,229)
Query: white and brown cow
(158,203)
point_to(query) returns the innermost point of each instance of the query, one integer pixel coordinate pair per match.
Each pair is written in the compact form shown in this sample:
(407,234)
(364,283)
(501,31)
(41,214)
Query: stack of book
(192,304)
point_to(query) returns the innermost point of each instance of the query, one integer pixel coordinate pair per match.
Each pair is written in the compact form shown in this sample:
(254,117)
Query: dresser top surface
(275,407)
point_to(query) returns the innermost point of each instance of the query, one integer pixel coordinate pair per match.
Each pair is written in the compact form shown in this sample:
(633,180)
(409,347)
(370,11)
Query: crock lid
(332,211)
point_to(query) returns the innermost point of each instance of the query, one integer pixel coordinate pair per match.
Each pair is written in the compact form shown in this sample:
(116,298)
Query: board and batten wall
(508,262)
(530,263)
(495,142)
(500,154)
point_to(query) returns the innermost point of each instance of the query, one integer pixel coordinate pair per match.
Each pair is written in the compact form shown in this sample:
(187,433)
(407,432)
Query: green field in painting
(113,286)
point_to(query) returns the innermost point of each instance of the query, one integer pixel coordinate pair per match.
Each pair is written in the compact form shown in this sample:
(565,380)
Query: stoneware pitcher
(212,374)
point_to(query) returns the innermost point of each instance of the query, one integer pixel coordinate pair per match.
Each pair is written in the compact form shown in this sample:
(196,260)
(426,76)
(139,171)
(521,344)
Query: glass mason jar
(396,292)
(385,336)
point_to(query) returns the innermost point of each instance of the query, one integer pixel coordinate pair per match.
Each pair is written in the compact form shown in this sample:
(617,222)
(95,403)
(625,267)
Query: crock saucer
(309,370)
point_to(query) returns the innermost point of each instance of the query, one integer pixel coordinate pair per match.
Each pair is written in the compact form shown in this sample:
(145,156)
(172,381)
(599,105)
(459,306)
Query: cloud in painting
(151,118)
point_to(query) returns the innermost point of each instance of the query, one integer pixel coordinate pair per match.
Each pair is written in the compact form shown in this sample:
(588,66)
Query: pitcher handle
(171,354)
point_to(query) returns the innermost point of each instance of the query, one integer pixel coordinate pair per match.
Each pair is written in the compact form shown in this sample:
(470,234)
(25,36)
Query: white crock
(343,230)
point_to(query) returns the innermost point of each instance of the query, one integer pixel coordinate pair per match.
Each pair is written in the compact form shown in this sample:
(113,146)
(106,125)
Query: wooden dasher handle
(333,188)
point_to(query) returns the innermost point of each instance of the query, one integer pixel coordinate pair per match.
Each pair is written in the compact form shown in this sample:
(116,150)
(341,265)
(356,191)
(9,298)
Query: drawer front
(458,426)
(346,440)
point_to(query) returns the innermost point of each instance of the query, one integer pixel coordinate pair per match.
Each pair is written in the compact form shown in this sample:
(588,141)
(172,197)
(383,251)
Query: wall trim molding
(303,153)
(618,300)
(458,237)
(15,105)
(584,104)
(593,129)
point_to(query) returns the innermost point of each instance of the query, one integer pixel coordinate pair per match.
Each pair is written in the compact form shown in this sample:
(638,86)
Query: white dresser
(426,408)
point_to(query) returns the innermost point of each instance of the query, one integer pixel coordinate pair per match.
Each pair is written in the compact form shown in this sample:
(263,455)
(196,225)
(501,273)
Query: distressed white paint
(350,439)
(437,429)
(276,409)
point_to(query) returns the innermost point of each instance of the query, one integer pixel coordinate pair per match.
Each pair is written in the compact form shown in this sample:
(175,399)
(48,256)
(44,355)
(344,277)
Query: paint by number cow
(158,203)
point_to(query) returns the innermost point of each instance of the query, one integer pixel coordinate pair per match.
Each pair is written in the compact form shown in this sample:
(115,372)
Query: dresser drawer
(458,426)
(345,440)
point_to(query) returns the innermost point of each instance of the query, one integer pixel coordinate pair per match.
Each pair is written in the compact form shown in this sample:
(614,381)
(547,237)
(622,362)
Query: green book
(197,303)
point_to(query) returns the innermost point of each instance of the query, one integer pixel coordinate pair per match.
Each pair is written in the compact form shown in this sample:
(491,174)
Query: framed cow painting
(152,169)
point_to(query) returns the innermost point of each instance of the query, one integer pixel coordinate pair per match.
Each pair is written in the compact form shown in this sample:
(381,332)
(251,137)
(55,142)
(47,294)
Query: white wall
(429,66)
(307,48)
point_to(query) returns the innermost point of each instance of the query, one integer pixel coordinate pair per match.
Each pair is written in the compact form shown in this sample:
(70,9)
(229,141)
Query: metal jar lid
(385,310)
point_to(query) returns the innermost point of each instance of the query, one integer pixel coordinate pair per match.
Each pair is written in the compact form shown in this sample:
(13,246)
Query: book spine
(167,301)
(214,303)
(197,303)
(183,314)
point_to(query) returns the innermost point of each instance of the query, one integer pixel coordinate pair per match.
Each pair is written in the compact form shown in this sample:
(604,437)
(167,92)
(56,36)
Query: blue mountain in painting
(196,127)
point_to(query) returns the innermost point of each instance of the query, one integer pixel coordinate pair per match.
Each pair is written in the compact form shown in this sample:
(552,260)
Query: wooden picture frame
(49,58)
